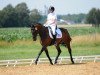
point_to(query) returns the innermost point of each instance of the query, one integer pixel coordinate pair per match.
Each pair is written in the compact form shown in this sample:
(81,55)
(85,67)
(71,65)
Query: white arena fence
(77,59)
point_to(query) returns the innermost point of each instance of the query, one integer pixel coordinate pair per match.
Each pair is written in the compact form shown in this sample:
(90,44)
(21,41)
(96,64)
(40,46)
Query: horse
(46,41)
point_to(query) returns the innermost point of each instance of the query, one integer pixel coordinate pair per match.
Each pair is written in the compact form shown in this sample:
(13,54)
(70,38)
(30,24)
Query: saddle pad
(58,33)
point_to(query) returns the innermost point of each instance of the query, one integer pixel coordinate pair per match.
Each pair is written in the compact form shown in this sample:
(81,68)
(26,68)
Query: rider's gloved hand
(44,24)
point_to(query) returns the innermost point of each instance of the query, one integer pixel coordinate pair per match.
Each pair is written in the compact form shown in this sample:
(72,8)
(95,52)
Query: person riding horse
(52,21)
(46,41)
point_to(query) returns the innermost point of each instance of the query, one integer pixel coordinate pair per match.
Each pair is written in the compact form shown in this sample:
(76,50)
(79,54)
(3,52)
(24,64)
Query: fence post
(95,59)
(60,60)
(81,59)
(7,64)
(15,63)
(32,62)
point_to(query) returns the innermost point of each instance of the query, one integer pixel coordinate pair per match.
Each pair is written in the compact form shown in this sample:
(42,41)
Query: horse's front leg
(59,52)
(39,55)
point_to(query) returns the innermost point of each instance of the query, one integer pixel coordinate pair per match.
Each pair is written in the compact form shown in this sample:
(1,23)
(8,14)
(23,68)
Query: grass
(30,49)
(13,34)
(23,52)
(84,42)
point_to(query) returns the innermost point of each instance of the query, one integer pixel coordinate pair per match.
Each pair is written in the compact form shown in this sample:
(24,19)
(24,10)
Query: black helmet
(52,9)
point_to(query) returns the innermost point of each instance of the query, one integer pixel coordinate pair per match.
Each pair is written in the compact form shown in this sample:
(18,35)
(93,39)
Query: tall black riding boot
(54,38)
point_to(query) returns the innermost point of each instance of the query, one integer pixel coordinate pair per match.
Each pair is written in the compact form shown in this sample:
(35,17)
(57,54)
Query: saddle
(58,33)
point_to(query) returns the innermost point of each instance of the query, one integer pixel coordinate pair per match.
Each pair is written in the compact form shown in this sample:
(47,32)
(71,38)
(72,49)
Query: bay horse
(45,41)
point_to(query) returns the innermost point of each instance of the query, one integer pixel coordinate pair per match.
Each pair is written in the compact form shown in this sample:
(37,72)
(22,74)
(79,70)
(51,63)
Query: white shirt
(51,19)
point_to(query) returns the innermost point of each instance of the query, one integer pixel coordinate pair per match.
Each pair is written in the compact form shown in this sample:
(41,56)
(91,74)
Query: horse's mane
(38,24)
(44,29)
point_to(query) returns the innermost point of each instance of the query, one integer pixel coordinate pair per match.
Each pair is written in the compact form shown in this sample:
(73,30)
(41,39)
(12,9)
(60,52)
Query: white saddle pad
(58,32)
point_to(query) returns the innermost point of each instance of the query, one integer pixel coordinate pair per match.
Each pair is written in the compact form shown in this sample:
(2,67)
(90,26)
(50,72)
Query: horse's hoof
(73,62)
(51,63)
(55,62)
(35,63)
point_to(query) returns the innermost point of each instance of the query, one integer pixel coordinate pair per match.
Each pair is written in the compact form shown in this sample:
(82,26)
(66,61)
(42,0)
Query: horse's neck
(43,33)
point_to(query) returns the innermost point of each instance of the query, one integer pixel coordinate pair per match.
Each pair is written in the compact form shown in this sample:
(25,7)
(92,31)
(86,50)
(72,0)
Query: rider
(52,21)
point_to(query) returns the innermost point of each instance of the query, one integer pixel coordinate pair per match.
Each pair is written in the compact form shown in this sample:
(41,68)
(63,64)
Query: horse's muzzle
(34,39)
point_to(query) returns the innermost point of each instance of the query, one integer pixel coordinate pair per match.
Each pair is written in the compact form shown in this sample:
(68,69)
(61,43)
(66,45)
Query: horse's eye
(32,28)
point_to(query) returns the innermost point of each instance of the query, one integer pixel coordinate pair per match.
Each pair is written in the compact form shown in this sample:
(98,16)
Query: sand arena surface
(47,69)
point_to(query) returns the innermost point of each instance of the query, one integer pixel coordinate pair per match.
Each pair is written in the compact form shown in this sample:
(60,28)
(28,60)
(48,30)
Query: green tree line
(21,16)
(77,18)
(93,17)
(18,16)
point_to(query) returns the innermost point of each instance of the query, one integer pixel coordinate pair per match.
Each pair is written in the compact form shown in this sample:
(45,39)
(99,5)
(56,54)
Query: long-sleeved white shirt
(51,19)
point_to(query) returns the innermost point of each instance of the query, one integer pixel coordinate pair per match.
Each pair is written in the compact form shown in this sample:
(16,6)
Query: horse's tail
(68,34)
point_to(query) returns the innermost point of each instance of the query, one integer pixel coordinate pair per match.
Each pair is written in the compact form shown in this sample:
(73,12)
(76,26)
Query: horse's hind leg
(59,52)
(70,52)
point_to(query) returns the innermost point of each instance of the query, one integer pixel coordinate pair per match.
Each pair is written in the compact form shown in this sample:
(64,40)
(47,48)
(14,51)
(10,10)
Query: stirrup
(55,43)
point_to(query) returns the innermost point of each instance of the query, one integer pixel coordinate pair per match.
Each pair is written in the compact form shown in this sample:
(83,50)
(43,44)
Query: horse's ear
(32,25)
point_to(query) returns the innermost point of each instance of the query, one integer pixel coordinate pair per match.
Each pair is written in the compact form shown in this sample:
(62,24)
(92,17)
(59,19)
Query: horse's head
(35,30)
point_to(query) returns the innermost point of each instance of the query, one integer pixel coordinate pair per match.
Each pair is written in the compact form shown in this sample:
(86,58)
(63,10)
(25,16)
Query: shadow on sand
(70,64)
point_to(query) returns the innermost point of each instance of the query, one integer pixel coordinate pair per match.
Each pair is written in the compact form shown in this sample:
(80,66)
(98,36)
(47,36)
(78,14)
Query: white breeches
(53,27)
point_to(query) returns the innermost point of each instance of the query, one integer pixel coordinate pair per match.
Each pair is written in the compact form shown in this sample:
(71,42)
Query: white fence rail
(77,59)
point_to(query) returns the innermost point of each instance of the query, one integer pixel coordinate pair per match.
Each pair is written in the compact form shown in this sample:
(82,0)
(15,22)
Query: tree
(1,19)
(98,17)
(77,18)
(7,16)
(22,12)
(20,16)
(35,16)
(93,17)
